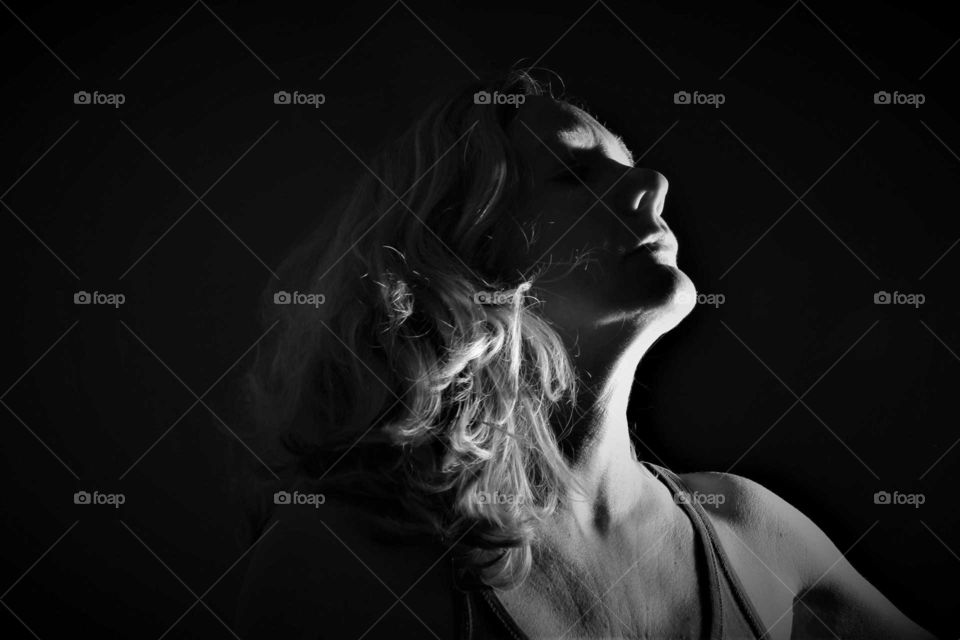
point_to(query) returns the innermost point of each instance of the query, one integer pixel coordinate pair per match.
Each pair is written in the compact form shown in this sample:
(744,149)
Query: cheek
(565,228)
(608,288)
(589,288)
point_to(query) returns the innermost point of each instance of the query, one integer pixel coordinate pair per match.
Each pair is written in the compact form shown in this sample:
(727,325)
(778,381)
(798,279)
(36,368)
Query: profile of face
(589,201)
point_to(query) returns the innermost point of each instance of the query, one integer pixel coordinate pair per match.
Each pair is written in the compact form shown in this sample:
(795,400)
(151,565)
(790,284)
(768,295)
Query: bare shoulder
(323,570)
(736,500)
(780,549)
(771,526)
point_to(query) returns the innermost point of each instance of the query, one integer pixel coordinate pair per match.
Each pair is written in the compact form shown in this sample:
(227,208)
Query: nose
(643,190)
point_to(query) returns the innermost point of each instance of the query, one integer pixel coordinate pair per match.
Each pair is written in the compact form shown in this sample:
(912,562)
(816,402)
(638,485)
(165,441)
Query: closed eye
(574,174)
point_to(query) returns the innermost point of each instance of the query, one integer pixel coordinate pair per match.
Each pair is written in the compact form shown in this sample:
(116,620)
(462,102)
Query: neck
(610,485)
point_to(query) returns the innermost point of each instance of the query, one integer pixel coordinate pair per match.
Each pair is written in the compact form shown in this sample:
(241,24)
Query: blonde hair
(402,351)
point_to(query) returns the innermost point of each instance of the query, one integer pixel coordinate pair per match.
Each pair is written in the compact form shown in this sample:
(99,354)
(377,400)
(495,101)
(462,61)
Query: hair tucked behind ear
(406,350)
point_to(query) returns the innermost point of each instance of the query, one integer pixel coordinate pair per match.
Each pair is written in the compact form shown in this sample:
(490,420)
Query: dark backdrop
(798,200)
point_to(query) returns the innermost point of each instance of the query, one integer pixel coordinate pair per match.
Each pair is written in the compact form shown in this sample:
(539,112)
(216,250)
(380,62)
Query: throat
(608,483)
(611,488)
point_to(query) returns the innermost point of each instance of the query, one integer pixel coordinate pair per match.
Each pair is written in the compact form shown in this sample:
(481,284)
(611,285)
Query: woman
(453,416)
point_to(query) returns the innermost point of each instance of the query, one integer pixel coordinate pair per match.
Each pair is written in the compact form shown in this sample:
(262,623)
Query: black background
(100,398)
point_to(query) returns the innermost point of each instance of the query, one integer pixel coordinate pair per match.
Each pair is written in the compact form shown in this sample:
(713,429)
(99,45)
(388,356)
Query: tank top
(731,614)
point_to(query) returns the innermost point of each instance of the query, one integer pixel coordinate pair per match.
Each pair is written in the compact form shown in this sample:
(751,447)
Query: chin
(684,297)
(677,301)
(663,297)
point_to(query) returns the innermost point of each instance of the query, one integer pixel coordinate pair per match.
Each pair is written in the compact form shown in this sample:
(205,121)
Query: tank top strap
(481,615)
(738,618)
(713,585)
(731,614)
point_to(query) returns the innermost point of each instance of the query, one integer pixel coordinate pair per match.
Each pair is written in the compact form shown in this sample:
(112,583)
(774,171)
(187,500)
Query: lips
(652,239)
(654,243)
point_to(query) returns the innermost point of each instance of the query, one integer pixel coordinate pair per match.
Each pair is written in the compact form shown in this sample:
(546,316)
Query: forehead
(543,122)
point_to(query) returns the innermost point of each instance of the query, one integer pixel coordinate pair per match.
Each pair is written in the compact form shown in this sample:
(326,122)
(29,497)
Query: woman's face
(590,201)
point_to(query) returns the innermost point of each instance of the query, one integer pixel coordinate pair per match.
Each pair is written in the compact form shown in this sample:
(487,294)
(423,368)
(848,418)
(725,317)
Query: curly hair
(423,345)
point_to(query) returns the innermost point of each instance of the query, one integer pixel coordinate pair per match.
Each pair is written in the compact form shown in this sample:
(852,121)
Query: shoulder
(766,521)
(761,528)
(321,570)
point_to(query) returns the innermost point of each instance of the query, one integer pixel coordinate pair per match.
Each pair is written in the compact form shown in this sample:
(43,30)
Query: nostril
(640,199)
